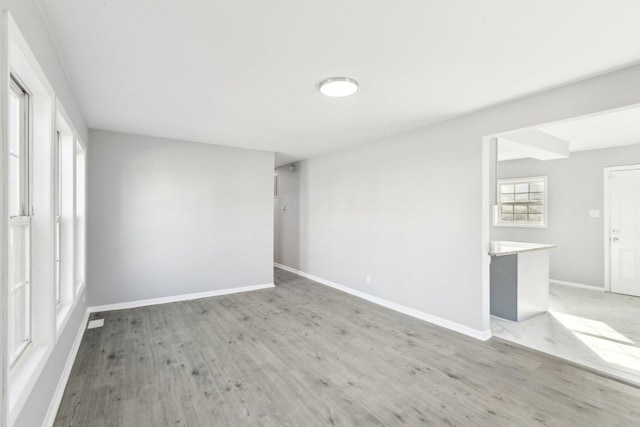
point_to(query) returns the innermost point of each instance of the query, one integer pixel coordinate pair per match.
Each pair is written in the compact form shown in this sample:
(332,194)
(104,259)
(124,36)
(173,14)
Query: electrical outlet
(368,279)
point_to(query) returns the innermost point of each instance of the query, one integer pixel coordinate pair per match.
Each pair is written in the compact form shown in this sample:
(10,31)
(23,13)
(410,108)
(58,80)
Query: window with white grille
(522,202)
(19,222)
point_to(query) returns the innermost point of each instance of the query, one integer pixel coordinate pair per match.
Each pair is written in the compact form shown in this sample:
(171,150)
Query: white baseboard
(576,285)
(176,298)
(475,333)
(50,417)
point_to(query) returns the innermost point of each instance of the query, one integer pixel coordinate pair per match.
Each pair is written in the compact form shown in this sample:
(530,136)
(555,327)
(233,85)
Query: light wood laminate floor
(303,354)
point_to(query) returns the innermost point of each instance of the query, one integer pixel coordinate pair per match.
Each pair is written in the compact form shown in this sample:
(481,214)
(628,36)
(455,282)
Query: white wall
(27,15)
(575,186)
(169,217)
(408,209)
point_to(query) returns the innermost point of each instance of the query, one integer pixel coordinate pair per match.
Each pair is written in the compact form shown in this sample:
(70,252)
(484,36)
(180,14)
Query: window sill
(23,377)
(515,225)
(62,316)
(64,313)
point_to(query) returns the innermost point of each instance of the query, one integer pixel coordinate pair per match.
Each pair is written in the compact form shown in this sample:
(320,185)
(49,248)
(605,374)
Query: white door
(625,231)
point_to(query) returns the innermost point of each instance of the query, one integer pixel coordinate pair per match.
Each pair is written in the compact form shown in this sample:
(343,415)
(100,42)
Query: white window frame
(498,213)
(64,173)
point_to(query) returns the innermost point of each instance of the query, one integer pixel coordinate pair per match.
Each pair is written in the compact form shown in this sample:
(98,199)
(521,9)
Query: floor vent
(98,323)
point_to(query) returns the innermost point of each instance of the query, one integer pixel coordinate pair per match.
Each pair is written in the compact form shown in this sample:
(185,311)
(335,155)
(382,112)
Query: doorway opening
(570,190)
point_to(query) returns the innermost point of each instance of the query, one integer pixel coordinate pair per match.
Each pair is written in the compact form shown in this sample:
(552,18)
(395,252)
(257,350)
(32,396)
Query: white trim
(176,298)
(475,333)
(606,172)
(56,399)
(577,285)
(4,263)
(489,173)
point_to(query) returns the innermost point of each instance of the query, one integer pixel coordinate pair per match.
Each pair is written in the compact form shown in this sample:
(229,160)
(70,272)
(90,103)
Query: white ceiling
(600,131)
(605,130)
(594,132)
(245,73)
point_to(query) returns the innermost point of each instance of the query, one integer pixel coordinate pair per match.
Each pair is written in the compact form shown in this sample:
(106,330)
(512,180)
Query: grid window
(19,222)
(522,202)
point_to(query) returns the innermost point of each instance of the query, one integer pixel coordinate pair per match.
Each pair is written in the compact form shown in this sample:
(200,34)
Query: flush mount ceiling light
(339,86)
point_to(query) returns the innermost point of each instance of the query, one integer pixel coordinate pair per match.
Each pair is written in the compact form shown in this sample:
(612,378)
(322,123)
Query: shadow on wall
(286,216)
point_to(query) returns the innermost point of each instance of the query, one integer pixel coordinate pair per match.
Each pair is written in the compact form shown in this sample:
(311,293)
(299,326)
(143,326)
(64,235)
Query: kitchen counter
(519,279)
(502,248)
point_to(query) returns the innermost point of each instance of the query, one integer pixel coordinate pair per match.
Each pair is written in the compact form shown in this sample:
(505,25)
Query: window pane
(58,172)
(14,186)
(506,188)
(522,188)
(535,209)
(537,187)
(507,209)
(80,232)
(14,123)
(57,272)
(16,150)
(536,196)
(520,209)
(507,217)
(522,197)
(17,255)
(535,218)
(520,217)
(20,330)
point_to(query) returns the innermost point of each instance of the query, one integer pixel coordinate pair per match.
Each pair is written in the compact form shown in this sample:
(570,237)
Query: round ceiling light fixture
(339,86)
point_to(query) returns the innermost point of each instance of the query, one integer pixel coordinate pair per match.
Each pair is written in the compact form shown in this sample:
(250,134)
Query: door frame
(607,219)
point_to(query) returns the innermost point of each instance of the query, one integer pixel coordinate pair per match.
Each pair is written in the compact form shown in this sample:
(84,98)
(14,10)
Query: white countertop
(502,248)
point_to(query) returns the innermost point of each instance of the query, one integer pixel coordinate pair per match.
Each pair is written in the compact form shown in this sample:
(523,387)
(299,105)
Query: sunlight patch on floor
(606,342)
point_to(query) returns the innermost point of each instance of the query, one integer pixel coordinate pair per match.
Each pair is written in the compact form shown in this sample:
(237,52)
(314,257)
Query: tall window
(79,230)
(58,218)
(19,221)
(522,202)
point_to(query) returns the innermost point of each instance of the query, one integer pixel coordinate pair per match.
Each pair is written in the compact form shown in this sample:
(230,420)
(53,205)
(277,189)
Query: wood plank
(306,354)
